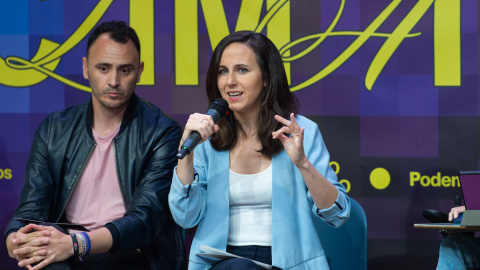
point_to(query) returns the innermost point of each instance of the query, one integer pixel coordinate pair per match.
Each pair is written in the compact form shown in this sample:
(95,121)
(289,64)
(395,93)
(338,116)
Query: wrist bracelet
(75,245)
(87,242)
(81,245)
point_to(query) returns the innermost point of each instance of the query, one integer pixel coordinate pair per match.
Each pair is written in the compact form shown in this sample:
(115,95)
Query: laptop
(470,183)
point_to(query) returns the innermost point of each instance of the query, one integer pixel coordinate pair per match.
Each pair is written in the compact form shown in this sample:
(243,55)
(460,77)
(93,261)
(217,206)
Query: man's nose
(113,79)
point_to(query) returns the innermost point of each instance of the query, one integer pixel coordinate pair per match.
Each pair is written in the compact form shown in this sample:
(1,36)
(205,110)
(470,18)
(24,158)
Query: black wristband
(75,245)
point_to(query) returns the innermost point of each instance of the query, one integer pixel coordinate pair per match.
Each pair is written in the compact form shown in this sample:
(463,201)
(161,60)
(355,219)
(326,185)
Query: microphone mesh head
(220,105)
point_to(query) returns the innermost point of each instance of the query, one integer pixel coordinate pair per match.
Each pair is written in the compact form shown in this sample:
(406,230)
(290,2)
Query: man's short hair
(119,31)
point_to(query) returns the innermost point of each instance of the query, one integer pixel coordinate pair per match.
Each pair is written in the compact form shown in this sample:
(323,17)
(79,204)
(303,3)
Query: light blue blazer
(295,243)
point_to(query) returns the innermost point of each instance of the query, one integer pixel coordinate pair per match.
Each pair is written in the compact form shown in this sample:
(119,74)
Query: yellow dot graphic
(380,178)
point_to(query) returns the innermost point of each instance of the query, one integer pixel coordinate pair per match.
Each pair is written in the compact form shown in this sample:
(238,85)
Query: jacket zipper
(76,180)
(122,188)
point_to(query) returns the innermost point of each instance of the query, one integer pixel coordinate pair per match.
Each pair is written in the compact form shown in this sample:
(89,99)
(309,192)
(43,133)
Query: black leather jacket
(144,151)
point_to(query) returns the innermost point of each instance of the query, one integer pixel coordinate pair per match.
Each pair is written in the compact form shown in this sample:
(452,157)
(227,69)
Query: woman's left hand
(294,144)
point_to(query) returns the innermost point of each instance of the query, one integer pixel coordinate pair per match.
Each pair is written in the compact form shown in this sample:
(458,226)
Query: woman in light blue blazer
(262,173)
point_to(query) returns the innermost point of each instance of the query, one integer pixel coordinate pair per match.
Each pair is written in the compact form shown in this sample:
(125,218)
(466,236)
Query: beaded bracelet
(82,246)
(75,245)
(87,238)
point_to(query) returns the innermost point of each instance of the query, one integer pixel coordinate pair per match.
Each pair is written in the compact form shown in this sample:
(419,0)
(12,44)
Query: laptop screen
(470,182)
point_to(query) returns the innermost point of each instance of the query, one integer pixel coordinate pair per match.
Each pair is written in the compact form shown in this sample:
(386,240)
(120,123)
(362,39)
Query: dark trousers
(257,253)
(126,260)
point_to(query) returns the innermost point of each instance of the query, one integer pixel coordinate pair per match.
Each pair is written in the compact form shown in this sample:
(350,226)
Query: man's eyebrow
(102,64)
(127,65)
(120,66)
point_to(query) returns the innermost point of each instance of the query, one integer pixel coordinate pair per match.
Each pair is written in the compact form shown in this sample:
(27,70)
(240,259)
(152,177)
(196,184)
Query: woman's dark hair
(275,98)
(119,32)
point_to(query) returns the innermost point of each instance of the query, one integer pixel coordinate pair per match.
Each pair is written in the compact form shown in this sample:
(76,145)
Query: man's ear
(140,70)
(85,68)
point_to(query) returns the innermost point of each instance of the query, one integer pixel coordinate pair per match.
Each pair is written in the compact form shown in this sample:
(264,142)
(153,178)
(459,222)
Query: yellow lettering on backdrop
(321,38)
(186,29)
(335,166)
(141,19)
(216,20)
(6,174)
(455,181)
(186,42)
(21,72)
(394,40)
(414,177)
(446,38)
(446,181)
(278,29)
(434,181)
(249,15)
(382,56)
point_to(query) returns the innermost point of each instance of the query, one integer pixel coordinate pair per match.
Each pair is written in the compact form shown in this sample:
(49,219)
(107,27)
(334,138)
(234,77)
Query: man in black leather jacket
(144,155)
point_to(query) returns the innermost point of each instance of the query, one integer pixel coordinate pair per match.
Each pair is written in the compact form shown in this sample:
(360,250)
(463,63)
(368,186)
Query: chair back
(345,247)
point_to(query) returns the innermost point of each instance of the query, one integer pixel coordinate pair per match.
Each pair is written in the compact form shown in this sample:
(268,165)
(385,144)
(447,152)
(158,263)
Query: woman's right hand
(454,212)
(201,123)
(204,125)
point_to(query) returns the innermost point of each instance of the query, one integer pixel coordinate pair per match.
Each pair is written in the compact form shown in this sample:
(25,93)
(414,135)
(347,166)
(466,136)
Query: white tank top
(250,209)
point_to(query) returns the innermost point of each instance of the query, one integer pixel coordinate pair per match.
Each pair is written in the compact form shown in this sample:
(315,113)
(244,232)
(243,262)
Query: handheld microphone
(218,109)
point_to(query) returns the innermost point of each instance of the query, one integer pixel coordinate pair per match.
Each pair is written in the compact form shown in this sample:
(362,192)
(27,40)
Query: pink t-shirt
(97,199)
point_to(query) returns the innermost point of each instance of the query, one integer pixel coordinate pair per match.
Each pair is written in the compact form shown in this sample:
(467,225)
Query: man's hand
(59,247)
(27,242)
(46,245)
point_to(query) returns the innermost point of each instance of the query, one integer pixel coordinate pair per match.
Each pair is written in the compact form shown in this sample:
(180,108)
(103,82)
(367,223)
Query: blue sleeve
(317,153)
(188,202)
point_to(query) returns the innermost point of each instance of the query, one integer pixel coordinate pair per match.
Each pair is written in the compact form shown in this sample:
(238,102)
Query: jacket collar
(130,114)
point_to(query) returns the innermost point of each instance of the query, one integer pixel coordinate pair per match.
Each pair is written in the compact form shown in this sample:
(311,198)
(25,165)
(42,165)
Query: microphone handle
(194,138)
(215,115)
